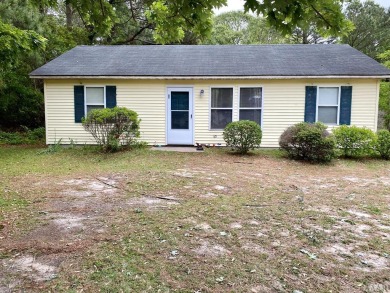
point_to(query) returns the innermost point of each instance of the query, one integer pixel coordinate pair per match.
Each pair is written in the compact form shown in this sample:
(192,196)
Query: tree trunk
(305,37)
(69,15)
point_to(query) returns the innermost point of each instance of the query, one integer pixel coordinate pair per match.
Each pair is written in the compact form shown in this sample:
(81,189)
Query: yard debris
(174,252)
(235,225)
(309,254)
(168,198)
(255,205)
(220,279)
(348,221)
(219,187)
(106,183)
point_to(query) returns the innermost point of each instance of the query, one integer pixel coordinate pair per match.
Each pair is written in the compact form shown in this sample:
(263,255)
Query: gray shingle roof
(245,60)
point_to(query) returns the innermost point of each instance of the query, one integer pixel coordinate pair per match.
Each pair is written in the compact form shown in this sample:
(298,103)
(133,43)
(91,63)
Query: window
(221,107)
(250,104)
(94,98)
(328,105)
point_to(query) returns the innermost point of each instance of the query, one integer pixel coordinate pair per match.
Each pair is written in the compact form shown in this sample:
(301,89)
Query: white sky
(239,5)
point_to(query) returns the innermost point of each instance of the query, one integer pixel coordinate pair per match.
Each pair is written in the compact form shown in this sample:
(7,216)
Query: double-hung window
(328,105)
(250,104)
(95,98)
(221,107)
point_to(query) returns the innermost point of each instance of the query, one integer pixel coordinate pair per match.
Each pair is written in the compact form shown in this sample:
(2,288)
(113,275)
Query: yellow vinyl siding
(283,105)
(145,97)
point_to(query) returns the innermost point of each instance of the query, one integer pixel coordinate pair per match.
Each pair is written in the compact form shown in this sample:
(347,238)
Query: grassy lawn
(150,221)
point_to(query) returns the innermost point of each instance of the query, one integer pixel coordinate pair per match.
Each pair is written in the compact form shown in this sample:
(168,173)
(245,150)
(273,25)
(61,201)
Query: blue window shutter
(78,103)
(311,104)
(110,96)
(345,105)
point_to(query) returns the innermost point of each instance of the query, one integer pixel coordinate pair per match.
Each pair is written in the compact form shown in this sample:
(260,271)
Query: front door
(179,116)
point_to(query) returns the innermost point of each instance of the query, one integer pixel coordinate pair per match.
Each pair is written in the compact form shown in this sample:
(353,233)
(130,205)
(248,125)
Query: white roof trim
(211,77)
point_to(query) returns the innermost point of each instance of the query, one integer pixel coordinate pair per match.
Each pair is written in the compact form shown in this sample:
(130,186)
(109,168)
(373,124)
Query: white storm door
(180,116)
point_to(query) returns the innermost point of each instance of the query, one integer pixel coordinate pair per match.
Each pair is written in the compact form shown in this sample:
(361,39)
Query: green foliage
(354,141)
(237,27)
(285,16)
(310,142)
(96,17)
(382,145)
(20,102)
(34,136)
(385,56)
(14,41)
(242,136)
(21,98)
(384,91)
(384,103)
(372,27)
(112,127)
(171,19)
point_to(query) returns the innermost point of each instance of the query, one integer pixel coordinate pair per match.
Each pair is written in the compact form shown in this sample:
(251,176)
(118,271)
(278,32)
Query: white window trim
(210,108)
(85,97)
(338,103)
(246,108)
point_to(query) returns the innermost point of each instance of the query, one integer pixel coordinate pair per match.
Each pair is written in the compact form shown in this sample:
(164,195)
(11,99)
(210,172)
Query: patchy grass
(150,221)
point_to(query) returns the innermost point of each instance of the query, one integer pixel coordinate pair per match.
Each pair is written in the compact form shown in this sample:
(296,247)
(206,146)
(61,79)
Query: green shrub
(354,141)
(27,136)
(242,136)
(310,142)
(383,143)
(37,134)
(11,138)
(112,128)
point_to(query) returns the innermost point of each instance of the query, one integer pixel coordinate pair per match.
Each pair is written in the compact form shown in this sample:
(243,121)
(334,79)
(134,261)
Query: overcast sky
(239,5)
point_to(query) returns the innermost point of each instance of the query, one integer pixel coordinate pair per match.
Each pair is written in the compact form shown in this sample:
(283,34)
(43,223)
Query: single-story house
(187,94)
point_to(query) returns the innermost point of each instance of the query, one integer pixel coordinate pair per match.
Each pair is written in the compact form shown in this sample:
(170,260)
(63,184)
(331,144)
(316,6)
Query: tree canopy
(372,27)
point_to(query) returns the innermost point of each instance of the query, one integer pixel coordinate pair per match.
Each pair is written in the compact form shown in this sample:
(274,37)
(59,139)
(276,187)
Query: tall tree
(384,92)
(29,37)
(238,27)
(372,27)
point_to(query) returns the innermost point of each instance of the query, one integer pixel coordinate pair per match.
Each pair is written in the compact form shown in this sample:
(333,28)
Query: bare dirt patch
(75,215)
(30,267)
(211,250)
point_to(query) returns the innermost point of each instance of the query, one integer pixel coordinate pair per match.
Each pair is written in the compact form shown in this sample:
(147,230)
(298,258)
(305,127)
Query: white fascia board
(211,77)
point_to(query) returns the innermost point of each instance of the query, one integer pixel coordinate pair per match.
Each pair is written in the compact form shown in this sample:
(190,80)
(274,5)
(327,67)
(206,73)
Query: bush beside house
(354,141)
(242,136)
(382,145)
(310,142)
(112,128)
